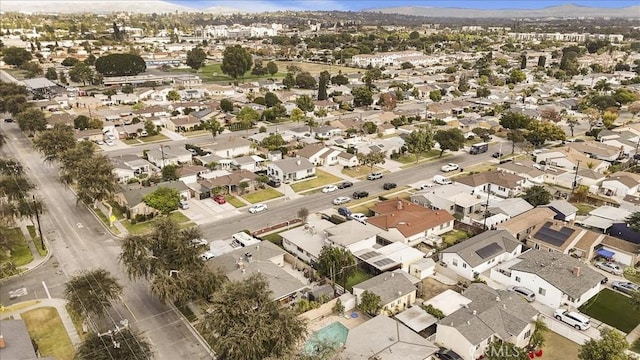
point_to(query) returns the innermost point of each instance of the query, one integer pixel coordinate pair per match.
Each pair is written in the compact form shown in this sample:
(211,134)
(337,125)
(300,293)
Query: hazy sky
(270,5)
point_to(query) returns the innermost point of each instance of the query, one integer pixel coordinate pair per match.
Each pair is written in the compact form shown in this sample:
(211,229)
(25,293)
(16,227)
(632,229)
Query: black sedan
(389,186)
(360,195)
(345,185)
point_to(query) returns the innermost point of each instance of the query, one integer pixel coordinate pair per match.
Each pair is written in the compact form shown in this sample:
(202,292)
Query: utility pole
(35,206)
(575,179)
(486,209)
(162,151)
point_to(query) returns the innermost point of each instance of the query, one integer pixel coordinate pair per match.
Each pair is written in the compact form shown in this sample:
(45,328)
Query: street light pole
(35,206)
(575,178)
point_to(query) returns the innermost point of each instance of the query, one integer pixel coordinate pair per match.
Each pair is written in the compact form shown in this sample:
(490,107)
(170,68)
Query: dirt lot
(432,287)
(559,348)
(316,69)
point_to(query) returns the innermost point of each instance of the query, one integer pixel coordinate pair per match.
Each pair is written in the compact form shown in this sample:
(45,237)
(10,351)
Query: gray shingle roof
(291,165)
(562,206)
(557,270)
(468,249)
(388,286)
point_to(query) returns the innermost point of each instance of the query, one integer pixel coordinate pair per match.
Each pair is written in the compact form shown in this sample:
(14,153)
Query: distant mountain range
(158,6)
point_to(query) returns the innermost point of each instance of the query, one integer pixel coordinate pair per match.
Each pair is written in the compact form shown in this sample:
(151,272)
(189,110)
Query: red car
(219,199)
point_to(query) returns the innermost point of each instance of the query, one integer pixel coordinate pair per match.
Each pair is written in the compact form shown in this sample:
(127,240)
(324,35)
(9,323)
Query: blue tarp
(605,253)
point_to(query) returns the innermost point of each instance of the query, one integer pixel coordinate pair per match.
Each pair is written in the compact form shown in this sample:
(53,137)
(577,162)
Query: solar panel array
(554,237)
(369,255)
(383,262)
(489,250)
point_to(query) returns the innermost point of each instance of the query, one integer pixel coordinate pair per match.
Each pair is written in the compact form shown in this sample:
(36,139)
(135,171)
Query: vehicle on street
(441,180)
(193,151)
(374,176)
(450,167)
(100,142)
(183,204)
(109,142)
(274,183)
(479,148)
(497,155)
(360,195)
(344,211)
(610,267)
(358,217)
(329,189)
(572,318)
(8,120)
(527,294)
(111,137)
(220,199)
(207,256)
(389,186)
(199,242)
(258,208)
(625,287)
(345,185)
(341,200)
(426,186)
(447,354)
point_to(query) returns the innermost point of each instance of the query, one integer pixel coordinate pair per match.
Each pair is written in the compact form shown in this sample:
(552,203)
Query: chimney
(393,274)
(468,322)
(504,306)
(497,298)
(576,271)
(475,312)
(2,345)
(400,205)
(298,162)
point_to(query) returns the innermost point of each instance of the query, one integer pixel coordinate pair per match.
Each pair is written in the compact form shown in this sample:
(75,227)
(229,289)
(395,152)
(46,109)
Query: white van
(183,204)
(441,180)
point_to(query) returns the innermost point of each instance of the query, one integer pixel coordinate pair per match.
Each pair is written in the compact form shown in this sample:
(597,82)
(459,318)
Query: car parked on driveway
(344,211)
(447,354)
(572,318)
(207,256)
(199,242)
(341,200)
(360,195)
(345,184)
(527,294)
(389,186)
(358,217)
(625,287)
(220,199)
(610,267)
(450,167)
(258,208)
(274,183)
(374,176)
(329,189)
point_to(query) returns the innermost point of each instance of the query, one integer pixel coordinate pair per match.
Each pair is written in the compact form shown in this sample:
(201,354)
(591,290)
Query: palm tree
(572,122)
(528,91)
(602,86)
(90,293)
(537,340)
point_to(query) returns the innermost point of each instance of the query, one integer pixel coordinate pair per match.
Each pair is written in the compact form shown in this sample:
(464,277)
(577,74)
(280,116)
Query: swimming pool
(334,334)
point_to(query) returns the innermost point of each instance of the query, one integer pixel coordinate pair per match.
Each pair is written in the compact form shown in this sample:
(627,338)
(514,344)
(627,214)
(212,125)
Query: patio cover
(605,253)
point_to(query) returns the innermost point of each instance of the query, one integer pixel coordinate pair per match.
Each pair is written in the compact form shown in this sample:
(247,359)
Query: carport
(607,254)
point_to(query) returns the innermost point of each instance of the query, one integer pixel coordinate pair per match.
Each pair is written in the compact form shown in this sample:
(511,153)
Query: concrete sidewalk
(172,135)
(58,304)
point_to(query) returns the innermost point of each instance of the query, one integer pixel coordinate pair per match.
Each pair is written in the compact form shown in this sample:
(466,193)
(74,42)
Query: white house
(396,291)
(291,169)
(230,146)
(169,155)
(348,160)
(621,183)
(319,154)
(498,183)
(480,253)
(557,279)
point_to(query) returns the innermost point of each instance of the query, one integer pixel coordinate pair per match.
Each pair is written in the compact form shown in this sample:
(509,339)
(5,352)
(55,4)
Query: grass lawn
(46,329)
(262,195)
(145,227)
(322,178)
(36,240)
(410,159)
(614,309)
(361,171)
(237,203)
(584,209)
(196,133)
(481,167)
(77,322)
(153,138)
(20,252)
(178,217)
(105,221)
(633,278)
(355,279)
(558,347)
(635,347)
(132,141)
(274,238)
(115,210)
(454,236)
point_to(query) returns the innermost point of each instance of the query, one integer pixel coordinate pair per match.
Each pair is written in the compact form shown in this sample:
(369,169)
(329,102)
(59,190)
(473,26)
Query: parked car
(441,180)
(426,186)
(625,287)
(344,211)
(374,176)
(497,155)
(389,186)
(527,294)
(258,208)
(274,183)
(450,167)
(8,120)
(345,185)
(360,195)
(572,318)
(109,142)
(183,204)
(358,217)
(341,200)
(447,354)
(100,142)
(220,199)
(610,267)
(111,137)
(207,256)
(199,242)
(193,151)
(329,189)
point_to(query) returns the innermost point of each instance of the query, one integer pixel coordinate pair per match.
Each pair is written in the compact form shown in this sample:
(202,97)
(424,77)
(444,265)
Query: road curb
(193,330)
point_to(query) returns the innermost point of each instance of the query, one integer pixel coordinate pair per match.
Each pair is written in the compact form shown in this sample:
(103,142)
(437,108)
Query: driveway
(566,330)
(206,211)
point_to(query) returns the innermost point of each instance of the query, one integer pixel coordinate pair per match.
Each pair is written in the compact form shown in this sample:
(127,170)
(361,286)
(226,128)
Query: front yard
(20,252)
(410,159)
(234,201)
(322,178)
(614,309)
(361,171)
(584,209)
(47,331)
(262,195)
(355,279)
(557,347)
(146,226)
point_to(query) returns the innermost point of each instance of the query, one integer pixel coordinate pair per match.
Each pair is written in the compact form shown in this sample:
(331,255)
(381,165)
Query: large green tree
(273,142)
(163,199)
(32,120)
(515,122)
(336,263)
(371,159)
(633,221)
(451,139)
(196,58)
(91,292)
(15,56)
(236,61)
(272,68)
(305,103)
(537,195)
(419,141)
(539,132)
(362,96)
(81,72)
(244,323)
(611,346)
(370,303)
(214,127)
(120,65)
(124,344)
(55,142)
(305,80)
(167,258)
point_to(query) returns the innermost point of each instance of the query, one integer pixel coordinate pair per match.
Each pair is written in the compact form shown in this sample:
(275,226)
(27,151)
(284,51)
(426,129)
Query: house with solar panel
(565,238)
(480,253)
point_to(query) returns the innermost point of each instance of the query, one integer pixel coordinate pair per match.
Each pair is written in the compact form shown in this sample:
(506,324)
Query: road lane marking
(46,289)
(130,312)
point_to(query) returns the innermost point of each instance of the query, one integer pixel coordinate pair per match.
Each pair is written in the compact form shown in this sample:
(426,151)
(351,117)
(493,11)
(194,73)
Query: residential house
(510,207)
(326,132)
(169,155)
(183,123)
(453,198)
(230,146)
(306,242)
(291,169)
(190,174)
(621,251)
(131,197)
(229,182)
(569,158)
(263,258)
(396,292)
(153,111)
(604,217)
(89,135)
(557,279)
(490,315)
(348,160)
(319,154)
(524,168)
(127,167)
(221,90)
(408,223)
(393,256)
(597,150)
(480,253)
(251,163)
(393,341)
(496,182)
(621,183)
(556,236)
(17,344)
(563,209)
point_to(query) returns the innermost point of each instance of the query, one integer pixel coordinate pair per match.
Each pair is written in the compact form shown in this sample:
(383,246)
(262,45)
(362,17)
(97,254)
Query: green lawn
(584,209)
(262,195)
(274,238)
(237,203)
(132,141)
(196,133)
(36,240)
(355,279)
(77,321)
(153,138)
(213,72)
(633,278)
(322,178)
(361,171)
(557,347)
(614,309)
(452,237)
(46,329)
(145,227)
(635,347)
(178,217)
(105,221)
(20,252)
(115,210)
(410,159)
